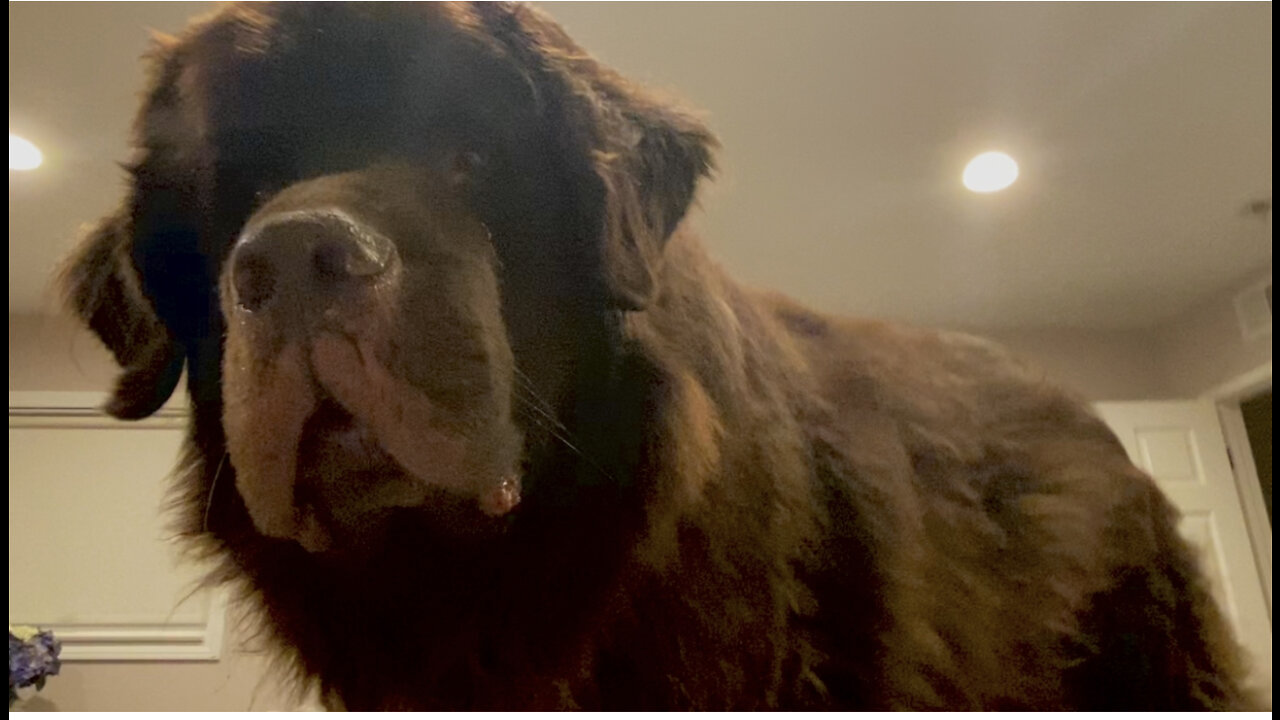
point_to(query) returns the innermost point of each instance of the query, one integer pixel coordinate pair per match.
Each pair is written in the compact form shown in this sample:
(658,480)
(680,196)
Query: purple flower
(33,657)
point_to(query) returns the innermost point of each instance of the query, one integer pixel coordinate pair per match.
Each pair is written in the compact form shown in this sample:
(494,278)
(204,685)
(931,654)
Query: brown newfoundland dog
(478,425)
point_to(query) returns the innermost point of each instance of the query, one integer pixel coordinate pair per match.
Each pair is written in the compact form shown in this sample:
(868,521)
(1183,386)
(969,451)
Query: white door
(91,555)
(1181,445)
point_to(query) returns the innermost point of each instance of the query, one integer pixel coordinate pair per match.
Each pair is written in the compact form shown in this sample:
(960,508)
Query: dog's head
(368,233)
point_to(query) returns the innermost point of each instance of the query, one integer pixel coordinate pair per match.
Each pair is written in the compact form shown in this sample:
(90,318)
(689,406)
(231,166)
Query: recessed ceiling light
(23,154)
(990,172)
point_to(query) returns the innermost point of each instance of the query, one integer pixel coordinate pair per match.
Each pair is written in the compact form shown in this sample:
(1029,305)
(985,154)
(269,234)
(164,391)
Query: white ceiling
(1142,131)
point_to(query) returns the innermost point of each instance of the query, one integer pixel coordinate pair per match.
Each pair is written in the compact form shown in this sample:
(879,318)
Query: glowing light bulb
(990,172)
(23,154)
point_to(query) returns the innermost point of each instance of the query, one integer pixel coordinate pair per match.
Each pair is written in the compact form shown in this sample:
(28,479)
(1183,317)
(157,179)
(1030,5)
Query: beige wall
(1099,364)
(51,353)
(1204,347)
(1185,357)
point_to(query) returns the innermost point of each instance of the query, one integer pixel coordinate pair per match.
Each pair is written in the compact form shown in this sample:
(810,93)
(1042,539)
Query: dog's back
(1035,566)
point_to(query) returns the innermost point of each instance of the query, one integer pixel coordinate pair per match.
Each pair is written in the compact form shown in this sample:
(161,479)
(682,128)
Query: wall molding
(86,405)
(1242,386)
(89,642)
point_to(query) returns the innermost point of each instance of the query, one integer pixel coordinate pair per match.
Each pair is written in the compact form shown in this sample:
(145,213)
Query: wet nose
(311,255)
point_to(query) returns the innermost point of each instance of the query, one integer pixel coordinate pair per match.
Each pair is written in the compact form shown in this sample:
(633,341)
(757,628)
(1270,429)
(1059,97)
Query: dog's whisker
(550,424)
(543,411)
(559,432)
(530,387)
(213,486)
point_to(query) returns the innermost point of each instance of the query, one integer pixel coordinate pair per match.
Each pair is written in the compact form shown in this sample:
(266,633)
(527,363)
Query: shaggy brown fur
(423,262)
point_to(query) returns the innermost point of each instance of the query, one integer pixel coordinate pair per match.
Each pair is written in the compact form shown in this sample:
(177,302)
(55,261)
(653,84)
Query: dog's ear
(133,275)
(648,163)
(101,287)
(636,160)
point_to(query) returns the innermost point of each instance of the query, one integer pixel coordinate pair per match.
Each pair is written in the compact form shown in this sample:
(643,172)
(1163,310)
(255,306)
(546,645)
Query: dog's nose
(310,253)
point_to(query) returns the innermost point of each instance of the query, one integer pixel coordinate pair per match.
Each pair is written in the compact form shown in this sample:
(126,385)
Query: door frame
(1226,398)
